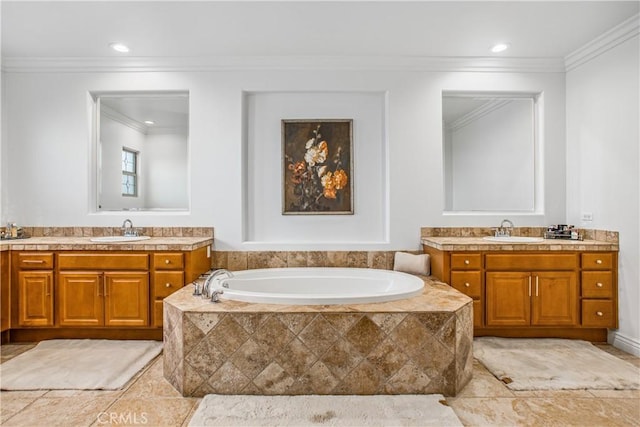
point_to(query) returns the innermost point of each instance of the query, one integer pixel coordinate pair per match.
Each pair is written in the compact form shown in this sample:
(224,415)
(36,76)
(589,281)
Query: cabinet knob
(599,285)
(598,261)
(166,261)
(466,261)
(167,285)
(467,284)
(599,313)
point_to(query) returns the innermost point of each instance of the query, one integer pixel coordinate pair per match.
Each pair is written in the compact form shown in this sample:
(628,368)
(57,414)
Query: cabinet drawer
(527,262)
(467,282)
(167,282)
(83,261)
(597,284)
(598,313)
(597,261)
(466,262)
(35,261)
(168,261)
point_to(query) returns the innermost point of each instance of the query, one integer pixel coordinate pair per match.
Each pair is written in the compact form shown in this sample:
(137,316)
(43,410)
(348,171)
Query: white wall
(50,132)
(3,156)
(165,170)
(603,166)
(265,222)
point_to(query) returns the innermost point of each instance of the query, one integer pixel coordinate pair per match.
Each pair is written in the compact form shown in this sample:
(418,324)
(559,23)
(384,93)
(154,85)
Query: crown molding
(618,34)
(123,119)
(236,63)
(478,113)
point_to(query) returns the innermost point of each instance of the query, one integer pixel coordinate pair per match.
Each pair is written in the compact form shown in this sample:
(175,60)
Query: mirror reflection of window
(129,172)
(142,151)
(490,150)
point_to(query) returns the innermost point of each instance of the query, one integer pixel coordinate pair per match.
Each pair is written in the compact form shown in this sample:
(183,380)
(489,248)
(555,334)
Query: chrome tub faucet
(208,290)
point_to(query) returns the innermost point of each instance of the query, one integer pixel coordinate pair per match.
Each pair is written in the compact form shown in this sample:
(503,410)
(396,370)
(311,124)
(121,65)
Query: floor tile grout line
(194,408)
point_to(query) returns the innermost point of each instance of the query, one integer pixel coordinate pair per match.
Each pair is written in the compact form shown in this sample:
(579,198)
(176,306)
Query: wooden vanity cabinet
(599,290)
(168,277)
(170,271)
(517,296)
(103,289)
(5,292)
(542,298)
(535,293)
(34,276)
(112,294)
(466,277)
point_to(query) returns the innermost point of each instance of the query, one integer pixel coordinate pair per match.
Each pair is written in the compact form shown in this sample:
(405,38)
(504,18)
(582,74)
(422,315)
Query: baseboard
(624,343)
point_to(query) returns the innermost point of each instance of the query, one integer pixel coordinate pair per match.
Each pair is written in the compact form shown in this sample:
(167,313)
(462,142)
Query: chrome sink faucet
(127,228)
(503,231)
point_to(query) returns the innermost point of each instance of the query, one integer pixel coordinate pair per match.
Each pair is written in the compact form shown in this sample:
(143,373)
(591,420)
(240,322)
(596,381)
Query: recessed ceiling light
(500,47)
(149,122)
(119,47)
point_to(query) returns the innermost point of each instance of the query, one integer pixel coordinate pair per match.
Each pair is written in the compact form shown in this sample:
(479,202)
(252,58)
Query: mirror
(142,151)
(491,152)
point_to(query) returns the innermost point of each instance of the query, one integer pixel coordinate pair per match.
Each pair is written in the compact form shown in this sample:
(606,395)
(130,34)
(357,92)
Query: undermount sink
(119,239)
(513,239)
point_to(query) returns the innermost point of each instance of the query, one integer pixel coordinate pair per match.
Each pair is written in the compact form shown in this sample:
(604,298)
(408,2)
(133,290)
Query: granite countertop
(436,296)
(85,243)
(479,244)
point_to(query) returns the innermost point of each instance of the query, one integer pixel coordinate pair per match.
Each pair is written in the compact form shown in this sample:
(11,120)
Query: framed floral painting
(317,167)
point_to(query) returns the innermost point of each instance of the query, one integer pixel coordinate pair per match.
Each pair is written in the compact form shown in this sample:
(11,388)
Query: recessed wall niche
(263,220)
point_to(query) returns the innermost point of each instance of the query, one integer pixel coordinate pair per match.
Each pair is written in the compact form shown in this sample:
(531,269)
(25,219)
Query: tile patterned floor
(149,400)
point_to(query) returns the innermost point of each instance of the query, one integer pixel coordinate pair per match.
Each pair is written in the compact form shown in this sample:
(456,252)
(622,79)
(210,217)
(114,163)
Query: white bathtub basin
(513,239)
(119,239)
(318,286)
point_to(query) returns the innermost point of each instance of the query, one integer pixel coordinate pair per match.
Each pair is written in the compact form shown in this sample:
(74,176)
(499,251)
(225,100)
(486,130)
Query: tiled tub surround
(417,345)
(242,260)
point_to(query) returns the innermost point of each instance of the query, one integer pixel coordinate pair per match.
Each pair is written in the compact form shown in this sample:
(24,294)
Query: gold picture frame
(317,167)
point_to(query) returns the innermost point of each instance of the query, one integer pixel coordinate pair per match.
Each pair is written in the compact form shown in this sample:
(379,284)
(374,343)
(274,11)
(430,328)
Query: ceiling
(168,111)
(153,29)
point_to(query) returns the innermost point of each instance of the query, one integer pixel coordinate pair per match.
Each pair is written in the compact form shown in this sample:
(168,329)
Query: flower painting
(317,167)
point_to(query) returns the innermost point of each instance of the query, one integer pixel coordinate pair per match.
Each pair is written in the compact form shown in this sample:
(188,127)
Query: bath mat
(378,410)
(554,364)
(77,364)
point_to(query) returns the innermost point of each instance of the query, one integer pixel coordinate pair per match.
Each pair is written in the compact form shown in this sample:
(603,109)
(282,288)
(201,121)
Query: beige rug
(352,411)
(77,364)
(554,364)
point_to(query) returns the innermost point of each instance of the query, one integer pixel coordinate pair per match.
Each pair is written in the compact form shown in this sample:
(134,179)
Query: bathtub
(418,345)
(318,286)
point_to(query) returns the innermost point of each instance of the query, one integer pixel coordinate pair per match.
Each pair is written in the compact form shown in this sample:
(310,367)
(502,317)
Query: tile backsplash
(243,260)
(116,231)
(588,234)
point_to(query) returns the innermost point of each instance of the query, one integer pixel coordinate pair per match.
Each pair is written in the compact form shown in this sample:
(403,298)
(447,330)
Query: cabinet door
(126,299)
(5,294)
(35,299)
(80,300)
(508,299)
(555,298)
